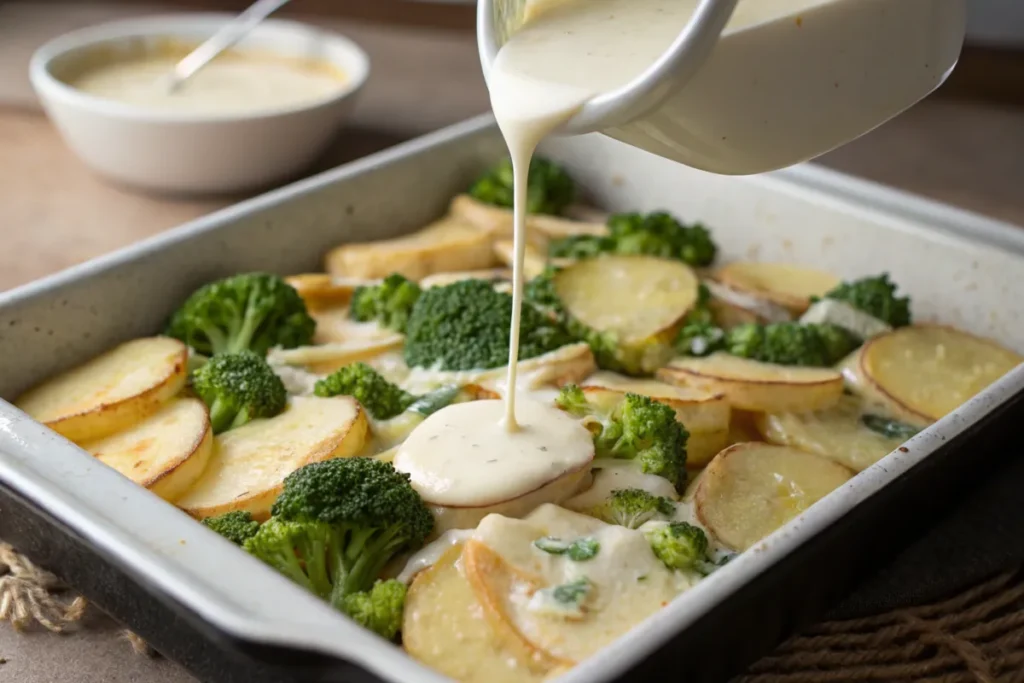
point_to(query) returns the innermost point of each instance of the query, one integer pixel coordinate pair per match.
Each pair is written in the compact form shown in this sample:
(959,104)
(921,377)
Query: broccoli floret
(699,335)
(382,399)
(680,546)
(549,188)
(379,609)
(338,522)
(371,509)
(465,326)
(236,526)
(239,387)
(632,507)
(637,428)
(875,296)
(791,343)
(581,246)
(653,234)
(252,311)
(388,303)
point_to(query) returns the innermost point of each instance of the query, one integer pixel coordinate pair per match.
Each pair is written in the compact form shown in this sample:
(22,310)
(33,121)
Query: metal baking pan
(228,618)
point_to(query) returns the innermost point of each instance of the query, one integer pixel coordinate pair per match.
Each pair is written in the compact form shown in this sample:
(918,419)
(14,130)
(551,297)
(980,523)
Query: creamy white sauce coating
(233,83)
(463,456)
(429,554)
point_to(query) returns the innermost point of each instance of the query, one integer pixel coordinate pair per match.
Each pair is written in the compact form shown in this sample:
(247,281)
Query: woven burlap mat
(976,636)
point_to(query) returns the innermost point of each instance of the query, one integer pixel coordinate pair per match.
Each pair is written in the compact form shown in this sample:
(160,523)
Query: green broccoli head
(303,551)
(632,507)
(549,189)
(791,343)
(581,246)
(369,511)
(379,609)
(252,311)
(679,546)
(636,428)
(388,303)
(237,526)
(465,326)
(382,399)
(238,387)
(875,296)
(654,234)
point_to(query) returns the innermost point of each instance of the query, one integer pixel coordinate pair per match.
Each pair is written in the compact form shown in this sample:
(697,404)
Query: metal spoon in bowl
(230,34)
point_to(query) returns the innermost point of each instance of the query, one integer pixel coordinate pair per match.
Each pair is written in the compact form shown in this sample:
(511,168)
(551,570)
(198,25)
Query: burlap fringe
(31,596)
(974,637)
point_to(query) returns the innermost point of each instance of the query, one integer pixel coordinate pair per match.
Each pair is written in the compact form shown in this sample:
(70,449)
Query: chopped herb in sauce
(580,550)
(893,429)
(572,593)
(565,600)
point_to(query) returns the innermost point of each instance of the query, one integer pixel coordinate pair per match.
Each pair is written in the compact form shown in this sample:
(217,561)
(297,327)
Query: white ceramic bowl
(179,152)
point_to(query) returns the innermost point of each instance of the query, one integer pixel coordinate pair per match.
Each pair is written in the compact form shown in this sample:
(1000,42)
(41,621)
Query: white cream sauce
(463,456)
(428,555)
(233,83)
(612,475)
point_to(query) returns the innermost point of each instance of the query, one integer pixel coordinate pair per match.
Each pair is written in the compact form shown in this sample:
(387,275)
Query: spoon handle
(231,33)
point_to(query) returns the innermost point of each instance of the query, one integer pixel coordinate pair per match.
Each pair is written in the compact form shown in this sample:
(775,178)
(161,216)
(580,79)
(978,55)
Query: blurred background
(962,146)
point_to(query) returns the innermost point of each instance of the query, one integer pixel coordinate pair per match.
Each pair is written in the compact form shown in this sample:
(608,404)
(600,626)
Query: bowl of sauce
(258,114)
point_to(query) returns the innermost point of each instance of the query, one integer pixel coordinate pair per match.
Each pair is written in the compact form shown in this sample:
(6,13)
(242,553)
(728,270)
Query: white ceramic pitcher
(771,94)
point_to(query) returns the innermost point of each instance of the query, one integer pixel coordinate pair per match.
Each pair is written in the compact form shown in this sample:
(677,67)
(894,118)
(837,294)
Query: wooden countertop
(55,213)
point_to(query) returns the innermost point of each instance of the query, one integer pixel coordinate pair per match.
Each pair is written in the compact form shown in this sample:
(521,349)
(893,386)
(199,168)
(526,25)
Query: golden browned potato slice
(641,301)
(110,392)
(514,582)
(751,489)
(743,427)
(857,383)
(569,364)
(334,326)
(327,358)
(250,462)
(756,386)
(320,290)
(498,276)
(446,245)
(783,284)
(166,452)
(497,222)
(701,447)
(442,628)
(931,370)
(836,433)
(534,258)
(699,410)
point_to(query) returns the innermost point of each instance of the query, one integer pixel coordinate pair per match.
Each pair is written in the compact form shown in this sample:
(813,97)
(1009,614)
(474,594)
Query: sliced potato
(640,301)
(327,358)
(698,410)
(444,246)
(334,326)
(498,276)
(498,222)
(165,453)
(556,491)
(442,628)
(786,285)
(728,315)
(732,307)
(756,386)
(836,433)
(702,447)
(612,475)
(931,370)
(751,489)
(743,427)
(534,259)
(506,572)
(857,383)
(320,290)
(569,364)
(110,392)
(250,462)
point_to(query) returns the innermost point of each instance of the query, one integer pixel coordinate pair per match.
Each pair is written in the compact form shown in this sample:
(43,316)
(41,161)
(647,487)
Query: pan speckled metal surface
(227,617)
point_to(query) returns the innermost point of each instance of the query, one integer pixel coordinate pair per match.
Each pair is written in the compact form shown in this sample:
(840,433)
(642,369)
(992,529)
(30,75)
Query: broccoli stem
(221,415)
